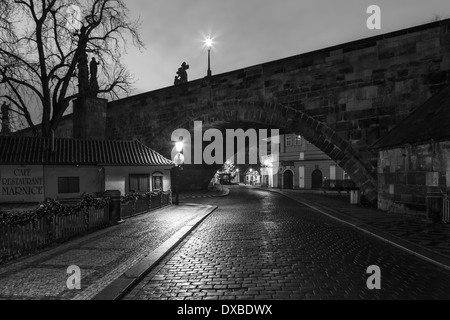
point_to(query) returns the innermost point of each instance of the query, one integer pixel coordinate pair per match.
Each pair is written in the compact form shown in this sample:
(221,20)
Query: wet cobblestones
(260,245)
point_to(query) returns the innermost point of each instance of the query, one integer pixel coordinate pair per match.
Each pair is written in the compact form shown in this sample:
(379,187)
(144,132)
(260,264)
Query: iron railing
(339,185)
(19,239)
(148,203)
(446,208)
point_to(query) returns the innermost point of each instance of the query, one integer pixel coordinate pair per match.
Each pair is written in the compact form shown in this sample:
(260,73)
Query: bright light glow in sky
(208,42)
(250,32)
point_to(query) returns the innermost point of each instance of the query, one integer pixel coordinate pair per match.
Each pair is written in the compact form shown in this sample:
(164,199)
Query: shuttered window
(139,183)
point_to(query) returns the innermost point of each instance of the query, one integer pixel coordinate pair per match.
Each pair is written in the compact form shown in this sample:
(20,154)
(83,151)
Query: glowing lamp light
(208,42)
(178,159)
(179,146)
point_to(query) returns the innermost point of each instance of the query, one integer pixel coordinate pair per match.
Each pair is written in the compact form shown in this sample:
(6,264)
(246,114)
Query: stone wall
(360,90)
(89,118)
(407,175)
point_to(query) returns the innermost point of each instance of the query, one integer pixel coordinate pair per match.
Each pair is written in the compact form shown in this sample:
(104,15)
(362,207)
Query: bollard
(355,197)
(114,207)
(434,206)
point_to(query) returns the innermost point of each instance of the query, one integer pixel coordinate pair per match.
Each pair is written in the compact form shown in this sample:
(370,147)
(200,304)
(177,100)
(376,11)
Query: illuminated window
(158,181)
(302,156)
(298,140)
(288,141)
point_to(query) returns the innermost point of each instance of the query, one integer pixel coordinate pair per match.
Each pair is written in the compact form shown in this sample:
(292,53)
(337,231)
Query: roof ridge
(78,151)
(433,105)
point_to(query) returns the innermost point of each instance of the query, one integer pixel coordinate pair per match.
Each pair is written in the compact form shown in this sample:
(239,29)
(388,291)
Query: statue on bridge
(182,76)
(87,86)
(82,63)
(6,125)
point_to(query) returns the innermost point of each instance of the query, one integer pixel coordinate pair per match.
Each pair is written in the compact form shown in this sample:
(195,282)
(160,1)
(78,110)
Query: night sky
(250,32)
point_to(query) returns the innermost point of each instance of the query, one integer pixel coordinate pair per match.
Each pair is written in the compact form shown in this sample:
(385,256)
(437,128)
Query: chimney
(6,125)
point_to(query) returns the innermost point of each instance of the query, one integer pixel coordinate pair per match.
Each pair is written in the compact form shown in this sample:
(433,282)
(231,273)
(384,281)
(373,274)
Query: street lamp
(179,160)
(179,146)
(208,43)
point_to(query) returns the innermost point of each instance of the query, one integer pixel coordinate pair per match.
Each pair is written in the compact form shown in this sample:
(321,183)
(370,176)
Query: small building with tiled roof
(414,159)
(32,169)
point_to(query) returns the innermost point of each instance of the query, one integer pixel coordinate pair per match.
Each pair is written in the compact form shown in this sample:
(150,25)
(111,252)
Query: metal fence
(17,240)
(339,185)
(152,202)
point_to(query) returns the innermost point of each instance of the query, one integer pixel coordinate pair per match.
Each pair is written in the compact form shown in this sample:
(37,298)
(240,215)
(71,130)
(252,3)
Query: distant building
(32,169)
(414,159)
(301,166)
(252,177)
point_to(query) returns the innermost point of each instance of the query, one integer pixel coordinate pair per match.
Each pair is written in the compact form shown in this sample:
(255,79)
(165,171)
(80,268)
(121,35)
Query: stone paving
(102,257)
(186,195)
(262,245)
(416,229)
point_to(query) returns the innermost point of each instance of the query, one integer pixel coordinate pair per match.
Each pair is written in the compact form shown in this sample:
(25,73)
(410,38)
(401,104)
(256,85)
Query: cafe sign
(21,184)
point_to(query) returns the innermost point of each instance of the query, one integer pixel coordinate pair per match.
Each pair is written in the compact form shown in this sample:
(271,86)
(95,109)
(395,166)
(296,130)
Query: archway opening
(288,180)
(289,120)
(317,179)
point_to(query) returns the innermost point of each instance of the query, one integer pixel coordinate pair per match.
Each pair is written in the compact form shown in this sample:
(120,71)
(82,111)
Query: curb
(119,287)
(417,250)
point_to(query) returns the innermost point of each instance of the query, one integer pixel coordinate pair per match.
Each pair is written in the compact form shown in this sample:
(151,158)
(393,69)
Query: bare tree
(42,43)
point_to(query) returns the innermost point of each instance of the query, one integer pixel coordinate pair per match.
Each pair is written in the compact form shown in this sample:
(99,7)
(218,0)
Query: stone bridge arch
(288,120)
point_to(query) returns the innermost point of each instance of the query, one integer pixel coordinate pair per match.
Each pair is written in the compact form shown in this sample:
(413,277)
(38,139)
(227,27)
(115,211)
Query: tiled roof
(430,121)
(28,150)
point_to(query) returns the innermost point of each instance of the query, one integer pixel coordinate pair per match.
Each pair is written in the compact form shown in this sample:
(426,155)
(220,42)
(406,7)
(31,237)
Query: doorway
(317,178)
(288,180)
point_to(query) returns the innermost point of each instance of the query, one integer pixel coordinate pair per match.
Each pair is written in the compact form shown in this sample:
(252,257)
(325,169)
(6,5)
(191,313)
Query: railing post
(446,208)
(87,214)
(114,207)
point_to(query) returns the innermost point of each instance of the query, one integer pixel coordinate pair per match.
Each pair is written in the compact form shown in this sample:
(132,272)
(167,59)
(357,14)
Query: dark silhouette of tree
(41,44)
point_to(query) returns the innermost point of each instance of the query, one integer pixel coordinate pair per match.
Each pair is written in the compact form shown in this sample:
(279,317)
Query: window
(346,176)
(288,141)
(139,183)
(302,156)
(158,181)
(332,172)
(298,140)
(68,185)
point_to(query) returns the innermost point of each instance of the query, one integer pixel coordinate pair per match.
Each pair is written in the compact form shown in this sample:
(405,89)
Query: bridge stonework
(342,99)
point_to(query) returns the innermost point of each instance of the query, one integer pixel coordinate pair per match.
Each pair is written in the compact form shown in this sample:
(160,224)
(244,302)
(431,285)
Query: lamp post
(208,43)
(179,160)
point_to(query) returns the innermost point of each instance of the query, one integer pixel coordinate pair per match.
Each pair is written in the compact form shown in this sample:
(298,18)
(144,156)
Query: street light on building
(208,43)
(178,160)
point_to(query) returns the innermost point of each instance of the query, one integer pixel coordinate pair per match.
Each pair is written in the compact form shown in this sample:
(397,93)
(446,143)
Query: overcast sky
(249,32)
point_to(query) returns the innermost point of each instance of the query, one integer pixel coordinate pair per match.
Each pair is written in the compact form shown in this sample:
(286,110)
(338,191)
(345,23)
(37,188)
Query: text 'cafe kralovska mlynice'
(33,169)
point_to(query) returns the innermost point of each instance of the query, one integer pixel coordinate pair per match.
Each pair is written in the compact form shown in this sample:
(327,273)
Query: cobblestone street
(261,245)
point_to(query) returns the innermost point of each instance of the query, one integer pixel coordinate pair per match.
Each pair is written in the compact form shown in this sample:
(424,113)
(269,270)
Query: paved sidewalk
(412,233)
(103,257)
